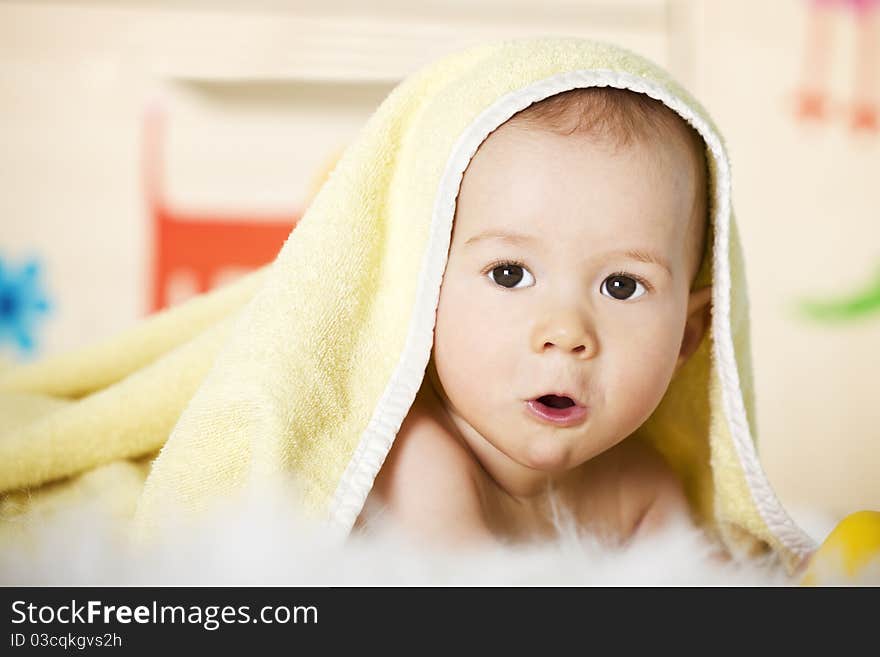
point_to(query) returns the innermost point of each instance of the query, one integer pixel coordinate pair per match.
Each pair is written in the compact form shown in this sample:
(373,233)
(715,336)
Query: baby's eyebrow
(643,256)
(513,238)
(640,255)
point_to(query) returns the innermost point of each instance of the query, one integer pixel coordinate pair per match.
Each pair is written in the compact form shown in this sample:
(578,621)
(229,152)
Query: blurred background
(152,149)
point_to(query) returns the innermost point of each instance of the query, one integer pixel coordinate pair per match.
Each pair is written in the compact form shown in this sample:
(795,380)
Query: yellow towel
(308,367)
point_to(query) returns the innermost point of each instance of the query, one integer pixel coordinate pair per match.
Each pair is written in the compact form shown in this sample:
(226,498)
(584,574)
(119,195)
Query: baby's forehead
(526,179)
(515,154)
(525,174)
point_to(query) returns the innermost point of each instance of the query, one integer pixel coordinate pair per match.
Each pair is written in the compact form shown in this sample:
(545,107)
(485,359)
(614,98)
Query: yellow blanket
(308,367)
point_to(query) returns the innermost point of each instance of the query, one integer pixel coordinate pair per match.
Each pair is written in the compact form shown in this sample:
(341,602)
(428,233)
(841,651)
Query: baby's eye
(510,274)
(622,287)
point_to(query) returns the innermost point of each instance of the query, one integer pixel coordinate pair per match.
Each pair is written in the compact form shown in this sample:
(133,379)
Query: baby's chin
(552,455)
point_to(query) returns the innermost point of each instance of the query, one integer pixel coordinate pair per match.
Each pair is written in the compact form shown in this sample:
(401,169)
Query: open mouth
(554,401)
(557,409)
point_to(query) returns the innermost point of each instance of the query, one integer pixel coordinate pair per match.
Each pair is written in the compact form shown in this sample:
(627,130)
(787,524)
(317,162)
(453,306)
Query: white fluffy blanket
(258,541)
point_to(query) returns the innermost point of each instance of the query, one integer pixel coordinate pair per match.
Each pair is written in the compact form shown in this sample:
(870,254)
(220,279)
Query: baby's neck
(523,486)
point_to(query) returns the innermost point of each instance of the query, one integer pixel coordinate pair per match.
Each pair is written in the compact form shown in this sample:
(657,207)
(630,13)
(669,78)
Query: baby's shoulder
(428,482)
(628,484)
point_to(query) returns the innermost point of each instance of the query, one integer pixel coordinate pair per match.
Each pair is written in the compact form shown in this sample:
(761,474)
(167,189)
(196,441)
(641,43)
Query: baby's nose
(566,343)
(567,333)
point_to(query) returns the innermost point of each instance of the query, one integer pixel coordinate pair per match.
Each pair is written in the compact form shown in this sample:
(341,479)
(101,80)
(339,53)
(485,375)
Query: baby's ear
(699,315)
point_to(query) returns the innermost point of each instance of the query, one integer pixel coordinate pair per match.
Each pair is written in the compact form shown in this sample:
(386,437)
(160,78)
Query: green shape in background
(855,306)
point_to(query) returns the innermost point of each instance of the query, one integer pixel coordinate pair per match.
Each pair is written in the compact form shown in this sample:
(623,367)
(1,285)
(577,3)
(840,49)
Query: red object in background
(201,245)
(812,99)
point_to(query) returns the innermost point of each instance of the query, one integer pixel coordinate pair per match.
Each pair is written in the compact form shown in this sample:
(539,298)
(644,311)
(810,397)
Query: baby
(565,310)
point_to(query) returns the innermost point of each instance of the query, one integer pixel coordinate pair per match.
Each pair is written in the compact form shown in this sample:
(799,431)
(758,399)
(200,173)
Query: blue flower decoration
(23,305)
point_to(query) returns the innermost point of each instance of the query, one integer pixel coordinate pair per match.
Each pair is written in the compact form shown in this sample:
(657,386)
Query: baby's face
(540,295)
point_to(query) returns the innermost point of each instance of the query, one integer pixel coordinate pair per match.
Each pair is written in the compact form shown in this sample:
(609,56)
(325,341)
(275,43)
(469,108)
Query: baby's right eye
(510,274)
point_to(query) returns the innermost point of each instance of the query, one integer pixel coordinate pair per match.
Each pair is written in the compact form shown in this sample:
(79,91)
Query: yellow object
(849,555)
(308,367)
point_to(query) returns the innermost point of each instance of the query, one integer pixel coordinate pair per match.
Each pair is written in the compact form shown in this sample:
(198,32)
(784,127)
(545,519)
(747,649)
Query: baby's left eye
(622,287)
(510,275)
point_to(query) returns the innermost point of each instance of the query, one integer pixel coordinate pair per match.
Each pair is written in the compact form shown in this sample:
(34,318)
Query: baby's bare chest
(594,504)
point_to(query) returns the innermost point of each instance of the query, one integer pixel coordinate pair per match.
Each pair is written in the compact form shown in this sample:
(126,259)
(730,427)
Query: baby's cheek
(638,384)
(471,356)
(455,343)
(466,355)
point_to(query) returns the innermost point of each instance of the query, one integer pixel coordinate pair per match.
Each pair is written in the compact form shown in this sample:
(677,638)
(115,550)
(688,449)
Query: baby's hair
(622,116)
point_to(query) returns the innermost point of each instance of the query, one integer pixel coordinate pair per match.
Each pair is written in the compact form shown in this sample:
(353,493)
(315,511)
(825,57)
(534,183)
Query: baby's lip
(562,393)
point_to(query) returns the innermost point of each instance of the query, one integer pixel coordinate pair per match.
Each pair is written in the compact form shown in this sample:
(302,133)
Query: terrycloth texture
(92,410)
(308,367)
